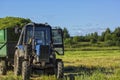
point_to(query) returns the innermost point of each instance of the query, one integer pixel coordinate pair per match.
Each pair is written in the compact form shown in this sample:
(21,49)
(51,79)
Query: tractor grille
(44,53)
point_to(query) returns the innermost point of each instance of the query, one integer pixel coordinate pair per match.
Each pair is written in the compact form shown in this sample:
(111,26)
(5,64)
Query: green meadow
(84,65)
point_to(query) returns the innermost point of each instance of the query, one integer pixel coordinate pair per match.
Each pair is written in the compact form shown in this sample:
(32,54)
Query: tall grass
(10,76)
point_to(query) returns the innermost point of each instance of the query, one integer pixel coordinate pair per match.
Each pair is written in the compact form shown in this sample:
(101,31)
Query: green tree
(76,39)
(87,37)
(8,22)
(82,39)
(107,31)
(102,36)
(107,35)
(117,33)
(94,37)
(116,36)
(66,33)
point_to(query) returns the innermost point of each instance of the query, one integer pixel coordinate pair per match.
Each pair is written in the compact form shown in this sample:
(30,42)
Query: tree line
(107,38)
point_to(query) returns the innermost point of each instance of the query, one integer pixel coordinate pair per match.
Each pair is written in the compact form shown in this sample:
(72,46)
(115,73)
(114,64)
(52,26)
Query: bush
(93,40)
(117,43)
(110,43)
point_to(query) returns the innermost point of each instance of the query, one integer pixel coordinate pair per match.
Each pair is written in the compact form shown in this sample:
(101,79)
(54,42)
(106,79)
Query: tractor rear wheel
(3,69)
(59,70)
(26,70)
(17,63)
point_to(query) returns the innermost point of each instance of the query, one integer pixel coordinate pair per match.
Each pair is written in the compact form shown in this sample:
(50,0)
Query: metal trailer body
(8,41)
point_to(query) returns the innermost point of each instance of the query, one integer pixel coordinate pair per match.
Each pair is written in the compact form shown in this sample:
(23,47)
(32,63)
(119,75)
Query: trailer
(8,41)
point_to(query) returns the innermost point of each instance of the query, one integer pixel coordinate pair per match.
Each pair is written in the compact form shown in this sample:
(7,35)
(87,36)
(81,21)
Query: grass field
(93,65)
(84,65)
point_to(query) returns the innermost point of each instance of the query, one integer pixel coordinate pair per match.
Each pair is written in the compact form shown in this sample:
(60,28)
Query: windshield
(41,35)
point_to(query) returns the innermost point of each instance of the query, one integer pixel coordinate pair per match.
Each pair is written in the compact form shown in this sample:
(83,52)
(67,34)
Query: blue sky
(78,16)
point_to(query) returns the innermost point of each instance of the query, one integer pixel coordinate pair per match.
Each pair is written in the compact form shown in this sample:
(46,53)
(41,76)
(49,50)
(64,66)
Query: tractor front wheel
(17,63)
(26,70)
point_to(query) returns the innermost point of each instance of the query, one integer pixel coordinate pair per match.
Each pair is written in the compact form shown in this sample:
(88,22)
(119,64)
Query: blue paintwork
(20,47)
(38,50)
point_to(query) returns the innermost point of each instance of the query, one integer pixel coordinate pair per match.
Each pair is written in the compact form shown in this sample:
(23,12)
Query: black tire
(3,69)
(59,70)
(17,64)
(26,70)
(49,71)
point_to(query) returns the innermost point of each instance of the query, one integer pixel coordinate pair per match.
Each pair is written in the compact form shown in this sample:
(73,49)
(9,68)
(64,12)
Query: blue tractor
(36,50)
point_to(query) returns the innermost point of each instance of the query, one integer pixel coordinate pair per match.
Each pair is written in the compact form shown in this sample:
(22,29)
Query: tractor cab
(43,40)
